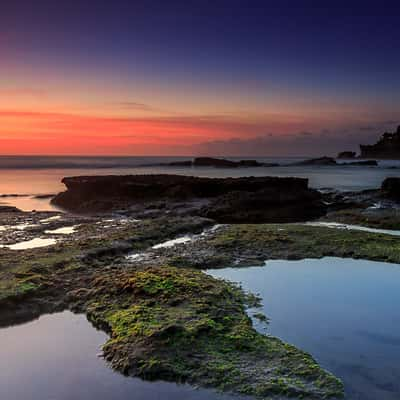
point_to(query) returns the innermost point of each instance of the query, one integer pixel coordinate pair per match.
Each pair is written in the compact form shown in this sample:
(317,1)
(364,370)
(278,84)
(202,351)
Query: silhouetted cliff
(388,146)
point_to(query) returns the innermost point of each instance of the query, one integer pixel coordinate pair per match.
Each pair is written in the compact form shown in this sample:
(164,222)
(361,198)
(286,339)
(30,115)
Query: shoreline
(152,304)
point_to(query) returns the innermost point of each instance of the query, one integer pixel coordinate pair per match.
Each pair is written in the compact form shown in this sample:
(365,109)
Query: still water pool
(56,358)
(344,312)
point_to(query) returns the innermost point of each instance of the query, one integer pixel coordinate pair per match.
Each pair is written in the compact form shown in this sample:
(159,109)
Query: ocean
(30,176)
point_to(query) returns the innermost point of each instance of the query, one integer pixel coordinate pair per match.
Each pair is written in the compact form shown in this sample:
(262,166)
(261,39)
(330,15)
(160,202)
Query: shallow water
(44,174)
(66,230)
(50,219)
(31,244)
(56,358)
(337,225)
(173,242)
(344,312)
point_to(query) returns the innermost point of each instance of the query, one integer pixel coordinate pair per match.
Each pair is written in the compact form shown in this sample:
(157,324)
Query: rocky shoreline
(166,318)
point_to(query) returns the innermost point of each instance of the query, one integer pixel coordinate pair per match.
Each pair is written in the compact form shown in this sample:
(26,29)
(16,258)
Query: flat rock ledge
(226,200)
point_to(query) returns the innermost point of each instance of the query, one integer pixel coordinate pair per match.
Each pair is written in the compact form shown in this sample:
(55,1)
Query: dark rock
(180,164)
(317,161)
(347,154)
(250,163)
(372,163)
(391,188)
(44,196)
(249,199)
(271,205)
(13,195)
(271,165)
(223,163)
(388,146)
(8,209)
(214,162)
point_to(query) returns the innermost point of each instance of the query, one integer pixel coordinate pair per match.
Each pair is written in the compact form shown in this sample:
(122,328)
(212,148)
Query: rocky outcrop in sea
(388,146)
(244,200)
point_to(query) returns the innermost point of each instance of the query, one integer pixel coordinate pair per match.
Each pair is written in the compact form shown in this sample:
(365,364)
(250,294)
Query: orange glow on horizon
(37,132)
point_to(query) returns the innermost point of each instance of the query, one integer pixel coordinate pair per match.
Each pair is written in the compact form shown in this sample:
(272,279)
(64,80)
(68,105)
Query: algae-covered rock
(183,325)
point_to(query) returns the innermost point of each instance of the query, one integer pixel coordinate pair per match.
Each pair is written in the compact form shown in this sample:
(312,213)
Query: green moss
(261,317)
(253,244)
(163,283)
(175,323)
(183,325)
(137,320)
(383,219)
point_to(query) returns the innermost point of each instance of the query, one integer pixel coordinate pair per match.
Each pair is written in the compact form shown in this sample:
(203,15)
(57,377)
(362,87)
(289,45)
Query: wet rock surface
(331,162)
(165,322)
(368,163)
(141,280)
(373,208)
(316,161)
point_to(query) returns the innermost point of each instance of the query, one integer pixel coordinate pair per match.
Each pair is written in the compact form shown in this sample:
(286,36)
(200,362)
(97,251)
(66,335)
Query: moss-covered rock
(388,218)
(168,320)
(183,325)
(253,244)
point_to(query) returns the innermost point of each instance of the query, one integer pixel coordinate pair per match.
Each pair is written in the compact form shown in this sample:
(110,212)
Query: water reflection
(66,230)
(350,227)
(344,312)
(31,244)
(45,175)
(56,358)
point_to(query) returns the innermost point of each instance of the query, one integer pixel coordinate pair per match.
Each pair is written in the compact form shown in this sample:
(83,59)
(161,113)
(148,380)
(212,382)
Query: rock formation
(388,146)
(218,163)
(250,199)
(347,154)
(391,188)
(368,163)
(317,161)
(8,209)
(329,161)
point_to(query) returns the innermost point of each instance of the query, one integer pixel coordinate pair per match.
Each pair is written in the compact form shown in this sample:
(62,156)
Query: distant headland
(388,146)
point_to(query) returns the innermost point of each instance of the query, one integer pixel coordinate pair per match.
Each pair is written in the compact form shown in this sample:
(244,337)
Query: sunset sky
(196,77)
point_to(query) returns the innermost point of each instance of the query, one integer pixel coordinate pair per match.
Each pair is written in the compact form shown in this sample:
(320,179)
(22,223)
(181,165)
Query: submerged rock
(317,161)
(371,163)
(248,199)
(330,161)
